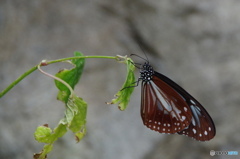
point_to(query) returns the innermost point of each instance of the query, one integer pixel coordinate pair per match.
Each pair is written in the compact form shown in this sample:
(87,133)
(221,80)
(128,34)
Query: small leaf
(75,116)
(42,134)
(80,112)
(46,135)
(123,96)
(71,76)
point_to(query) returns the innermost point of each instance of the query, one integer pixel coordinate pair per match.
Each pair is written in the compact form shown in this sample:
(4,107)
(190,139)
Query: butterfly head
(146,72)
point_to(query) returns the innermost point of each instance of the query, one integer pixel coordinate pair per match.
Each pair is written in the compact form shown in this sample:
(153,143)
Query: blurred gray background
(195,43)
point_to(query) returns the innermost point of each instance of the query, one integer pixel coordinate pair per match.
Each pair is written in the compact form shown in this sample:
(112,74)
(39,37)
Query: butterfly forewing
(201,127)
(162,108)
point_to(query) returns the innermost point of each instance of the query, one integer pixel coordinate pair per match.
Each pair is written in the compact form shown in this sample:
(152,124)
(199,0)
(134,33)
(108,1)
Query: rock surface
(195,43)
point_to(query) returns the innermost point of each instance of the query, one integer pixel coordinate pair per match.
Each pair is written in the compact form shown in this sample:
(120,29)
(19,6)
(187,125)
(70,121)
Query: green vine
(76,108)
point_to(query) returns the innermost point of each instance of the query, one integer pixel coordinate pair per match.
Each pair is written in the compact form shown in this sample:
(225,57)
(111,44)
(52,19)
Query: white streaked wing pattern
(162,109)
(168,108)
(201,127)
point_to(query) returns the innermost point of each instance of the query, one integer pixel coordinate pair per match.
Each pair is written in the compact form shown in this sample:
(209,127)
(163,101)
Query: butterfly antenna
(144,53)
(139,57)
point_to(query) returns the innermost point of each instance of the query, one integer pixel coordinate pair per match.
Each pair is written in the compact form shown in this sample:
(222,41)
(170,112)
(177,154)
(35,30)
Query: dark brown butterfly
(168,108)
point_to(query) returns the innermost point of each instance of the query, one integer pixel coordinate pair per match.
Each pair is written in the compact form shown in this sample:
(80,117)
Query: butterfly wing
(162,108)
(201,127)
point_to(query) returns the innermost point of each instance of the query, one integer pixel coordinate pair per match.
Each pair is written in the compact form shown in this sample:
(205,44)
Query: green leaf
(76,108)
(45,134)
(71,76)
(42,134)
(75,116)
(75,120)
(79,108)
(123,96)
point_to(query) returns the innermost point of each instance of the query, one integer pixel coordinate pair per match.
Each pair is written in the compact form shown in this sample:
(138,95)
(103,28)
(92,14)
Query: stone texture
(196,43)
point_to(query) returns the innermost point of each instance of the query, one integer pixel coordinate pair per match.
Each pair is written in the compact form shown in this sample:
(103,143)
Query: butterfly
(167,108)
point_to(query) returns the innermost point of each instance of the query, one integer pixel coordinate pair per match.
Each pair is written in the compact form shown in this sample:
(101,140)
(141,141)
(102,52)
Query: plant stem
(44,63)
(18,80)
(79,57)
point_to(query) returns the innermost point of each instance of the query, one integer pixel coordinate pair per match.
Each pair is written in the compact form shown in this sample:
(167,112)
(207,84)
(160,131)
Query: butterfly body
(168,108)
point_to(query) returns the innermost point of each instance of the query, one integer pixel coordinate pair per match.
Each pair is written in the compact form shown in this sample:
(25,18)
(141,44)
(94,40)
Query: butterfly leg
(139,79)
